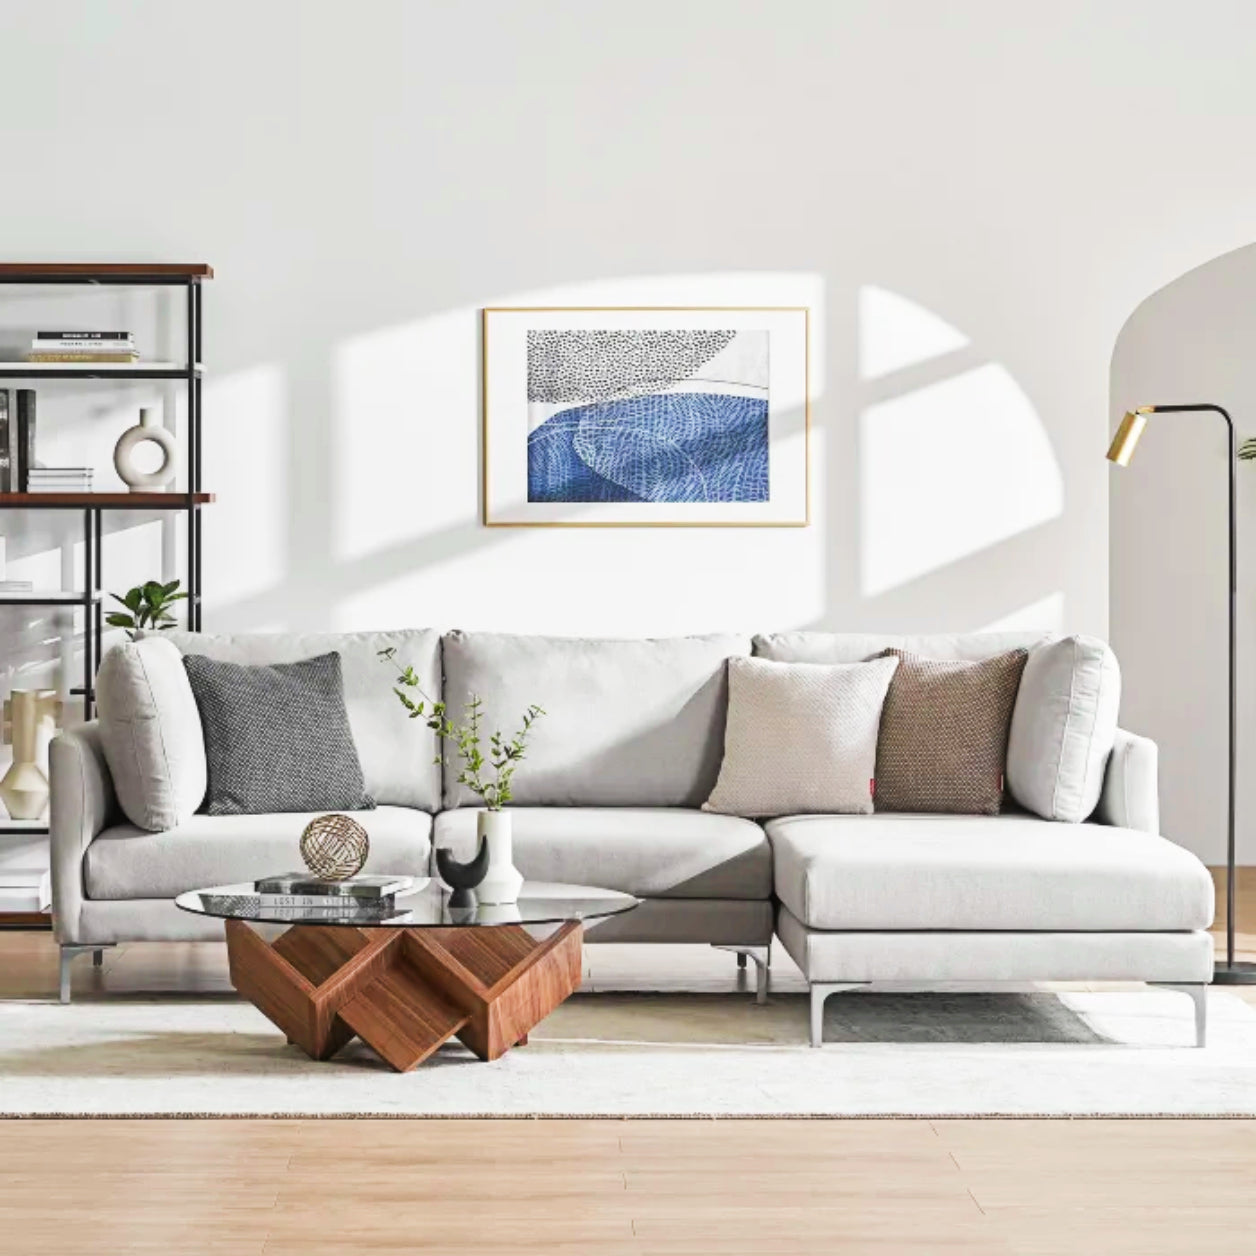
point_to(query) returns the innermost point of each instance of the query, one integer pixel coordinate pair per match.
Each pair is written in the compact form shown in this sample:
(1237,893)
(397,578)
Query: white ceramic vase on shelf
(30,716)
(503,880)
(149,428)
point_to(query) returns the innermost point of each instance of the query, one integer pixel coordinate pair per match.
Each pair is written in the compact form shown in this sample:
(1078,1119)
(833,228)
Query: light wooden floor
(1033,1188)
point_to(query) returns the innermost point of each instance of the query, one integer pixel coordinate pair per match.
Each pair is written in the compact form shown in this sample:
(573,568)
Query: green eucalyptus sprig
(147,606)
(488,775)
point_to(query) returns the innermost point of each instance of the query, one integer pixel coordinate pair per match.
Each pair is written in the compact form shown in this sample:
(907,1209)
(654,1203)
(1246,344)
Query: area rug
(1122,1053)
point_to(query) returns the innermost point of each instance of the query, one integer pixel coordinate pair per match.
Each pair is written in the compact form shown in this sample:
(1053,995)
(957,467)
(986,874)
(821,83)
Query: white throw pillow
(1063,727)
(150,730)
(800,737)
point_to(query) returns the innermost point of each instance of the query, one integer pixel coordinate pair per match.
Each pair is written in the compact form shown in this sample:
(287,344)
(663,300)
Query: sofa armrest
(1130,797)
(82,804)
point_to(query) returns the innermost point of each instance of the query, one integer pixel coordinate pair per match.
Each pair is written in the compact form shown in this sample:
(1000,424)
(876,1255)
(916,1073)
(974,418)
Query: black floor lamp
(1232,972)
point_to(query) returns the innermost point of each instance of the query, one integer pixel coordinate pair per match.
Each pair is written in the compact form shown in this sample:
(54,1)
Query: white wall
(1191,341)
(365,177)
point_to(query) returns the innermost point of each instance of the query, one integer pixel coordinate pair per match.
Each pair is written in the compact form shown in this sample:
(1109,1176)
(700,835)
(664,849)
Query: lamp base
(1240,973)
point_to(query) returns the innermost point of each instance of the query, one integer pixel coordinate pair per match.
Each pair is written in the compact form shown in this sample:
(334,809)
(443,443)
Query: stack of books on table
(361,897)
(59,480)
(83,346)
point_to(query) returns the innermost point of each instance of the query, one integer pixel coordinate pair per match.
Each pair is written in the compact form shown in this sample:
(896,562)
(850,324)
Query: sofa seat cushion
(126,862)
(1008,872)
(652,852)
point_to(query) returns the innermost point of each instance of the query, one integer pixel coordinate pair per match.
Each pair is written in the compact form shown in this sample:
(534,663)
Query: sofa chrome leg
(68,952)
(820,990)
(1198,990)
(762,956)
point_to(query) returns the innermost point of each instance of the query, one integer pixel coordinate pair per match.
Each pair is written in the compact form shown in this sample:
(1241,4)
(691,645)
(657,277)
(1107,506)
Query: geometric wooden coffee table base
(405,991)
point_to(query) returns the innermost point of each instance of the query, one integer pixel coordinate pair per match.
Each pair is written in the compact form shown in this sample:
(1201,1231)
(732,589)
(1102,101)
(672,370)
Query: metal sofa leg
(68,952)
(762,956)
(1198,990)
(820,990)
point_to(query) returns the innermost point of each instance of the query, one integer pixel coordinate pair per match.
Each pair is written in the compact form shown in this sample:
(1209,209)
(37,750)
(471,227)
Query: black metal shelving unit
(94,506)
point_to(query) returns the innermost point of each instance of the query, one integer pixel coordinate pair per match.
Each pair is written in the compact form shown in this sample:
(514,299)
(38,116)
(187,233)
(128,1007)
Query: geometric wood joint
(405,991)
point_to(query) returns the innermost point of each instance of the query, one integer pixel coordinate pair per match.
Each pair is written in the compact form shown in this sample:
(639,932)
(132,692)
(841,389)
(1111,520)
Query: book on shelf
(8,482)
(59,480)
(360,887)
(83,346)
(82,335)
(24,452)
(16,586)
(82,357)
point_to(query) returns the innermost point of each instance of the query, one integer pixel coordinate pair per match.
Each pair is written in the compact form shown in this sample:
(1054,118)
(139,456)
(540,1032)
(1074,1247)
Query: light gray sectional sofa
(611,795)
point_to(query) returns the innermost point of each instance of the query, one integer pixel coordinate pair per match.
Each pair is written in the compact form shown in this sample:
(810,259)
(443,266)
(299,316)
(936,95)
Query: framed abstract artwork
(646,417)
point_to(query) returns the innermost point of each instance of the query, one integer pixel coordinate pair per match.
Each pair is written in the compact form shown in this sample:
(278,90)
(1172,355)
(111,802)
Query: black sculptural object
(462,878)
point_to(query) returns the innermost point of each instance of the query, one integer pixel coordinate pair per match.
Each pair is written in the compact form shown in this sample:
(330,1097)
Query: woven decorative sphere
(334,847)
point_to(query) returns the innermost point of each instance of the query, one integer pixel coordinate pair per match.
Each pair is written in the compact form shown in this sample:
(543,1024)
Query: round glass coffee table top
(424,905)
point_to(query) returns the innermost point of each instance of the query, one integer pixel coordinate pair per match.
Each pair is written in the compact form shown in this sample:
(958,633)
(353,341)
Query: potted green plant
(147,606)
(488,774)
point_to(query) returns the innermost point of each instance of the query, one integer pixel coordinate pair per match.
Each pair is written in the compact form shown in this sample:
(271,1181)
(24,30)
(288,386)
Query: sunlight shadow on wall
(948,468)
(246,464)
(895,333)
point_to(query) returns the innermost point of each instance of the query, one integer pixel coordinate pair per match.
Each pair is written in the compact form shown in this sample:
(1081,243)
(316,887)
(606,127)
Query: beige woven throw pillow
(800,737)
(943,739)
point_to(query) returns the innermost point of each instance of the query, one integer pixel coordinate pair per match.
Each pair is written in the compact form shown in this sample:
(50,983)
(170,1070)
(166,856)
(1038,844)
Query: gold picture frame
(798,362)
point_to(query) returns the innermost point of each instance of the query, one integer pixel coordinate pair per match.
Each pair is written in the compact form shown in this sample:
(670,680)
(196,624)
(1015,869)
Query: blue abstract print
(663,447)
(647,415)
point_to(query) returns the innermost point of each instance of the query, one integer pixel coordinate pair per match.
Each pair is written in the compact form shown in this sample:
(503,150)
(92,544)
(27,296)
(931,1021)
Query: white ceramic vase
(30,717)
(149,428)
(503,881)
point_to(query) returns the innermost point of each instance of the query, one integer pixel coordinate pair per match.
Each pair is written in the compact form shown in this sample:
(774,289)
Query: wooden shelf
(106,501)
(87,270)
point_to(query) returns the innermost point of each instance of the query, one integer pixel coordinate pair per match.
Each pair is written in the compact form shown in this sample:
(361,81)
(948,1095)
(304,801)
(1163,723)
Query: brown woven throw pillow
(942,745)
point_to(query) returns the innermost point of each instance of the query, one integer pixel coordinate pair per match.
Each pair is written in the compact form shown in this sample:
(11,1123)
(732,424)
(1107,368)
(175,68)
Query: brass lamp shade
(1126,439)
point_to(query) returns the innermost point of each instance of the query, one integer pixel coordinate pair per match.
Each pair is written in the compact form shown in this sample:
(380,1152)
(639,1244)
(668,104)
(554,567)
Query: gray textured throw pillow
(944,729)
(277,737)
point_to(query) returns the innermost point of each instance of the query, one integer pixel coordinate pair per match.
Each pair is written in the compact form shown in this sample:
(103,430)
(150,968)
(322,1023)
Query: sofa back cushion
(150,732)
(627,723)
(1063,728)
(855,647)
(398,755)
